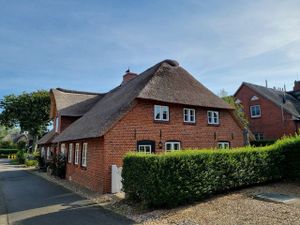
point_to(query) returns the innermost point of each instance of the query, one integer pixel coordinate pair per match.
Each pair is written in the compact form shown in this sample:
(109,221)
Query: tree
(239,109)
(29,111)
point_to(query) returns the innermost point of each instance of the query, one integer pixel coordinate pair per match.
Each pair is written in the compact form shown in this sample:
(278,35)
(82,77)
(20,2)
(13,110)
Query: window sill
(161,121)
(83,167)
(255,117)
(213,125)
(190,123)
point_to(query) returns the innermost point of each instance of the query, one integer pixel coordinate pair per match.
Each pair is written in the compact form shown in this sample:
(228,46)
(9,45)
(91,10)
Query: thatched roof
(166,82)
(283,99)
(47,138)
(72,103)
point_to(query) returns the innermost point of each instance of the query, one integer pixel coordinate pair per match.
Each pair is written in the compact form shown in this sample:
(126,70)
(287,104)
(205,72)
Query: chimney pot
(296,85)
(128,76)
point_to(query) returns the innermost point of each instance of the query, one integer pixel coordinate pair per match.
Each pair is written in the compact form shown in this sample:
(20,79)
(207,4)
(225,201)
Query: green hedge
(8,151)
(171,179)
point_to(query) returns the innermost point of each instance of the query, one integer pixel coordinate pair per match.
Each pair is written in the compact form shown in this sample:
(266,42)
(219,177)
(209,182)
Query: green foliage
(20,156)
(29,111)
(31,162)
(171,179)
(4,153)
(262,143)
(58,165)
(239,109)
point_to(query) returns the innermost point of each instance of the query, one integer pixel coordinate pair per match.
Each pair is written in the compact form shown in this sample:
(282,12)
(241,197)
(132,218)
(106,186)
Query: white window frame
(57,124)
(76,158)
(259,135)
(48,153)
(191,117)
(142,148)
(213,117)
(254,98)
(70,153)
(172,143)
(84,154)
(63,149)
(160,109)
(255,116)
(223,145)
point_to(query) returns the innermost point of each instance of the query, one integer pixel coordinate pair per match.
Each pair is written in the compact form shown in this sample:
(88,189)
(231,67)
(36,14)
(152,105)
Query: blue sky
(87,45)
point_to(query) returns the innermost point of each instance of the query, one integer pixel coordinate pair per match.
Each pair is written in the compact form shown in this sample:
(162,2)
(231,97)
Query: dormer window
(161,113)
(255,111)
(254,98)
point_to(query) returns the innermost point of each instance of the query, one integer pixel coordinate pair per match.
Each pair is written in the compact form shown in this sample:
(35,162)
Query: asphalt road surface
(26,199)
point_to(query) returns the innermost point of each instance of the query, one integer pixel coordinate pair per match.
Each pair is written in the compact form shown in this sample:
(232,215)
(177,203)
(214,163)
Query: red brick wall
(271,122)
(138,124)
(90,176)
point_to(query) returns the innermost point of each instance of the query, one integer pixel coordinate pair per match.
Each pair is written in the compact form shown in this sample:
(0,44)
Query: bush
(4,153)
(31,162)
(20,156)
(262,143)
(58,165)
(176,178)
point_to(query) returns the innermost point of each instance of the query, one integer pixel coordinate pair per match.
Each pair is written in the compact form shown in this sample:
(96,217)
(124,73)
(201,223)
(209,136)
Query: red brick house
(271,112)
(162,109)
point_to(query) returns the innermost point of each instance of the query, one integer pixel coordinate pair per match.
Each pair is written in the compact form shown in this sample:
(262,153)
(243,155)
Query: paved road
(26,199)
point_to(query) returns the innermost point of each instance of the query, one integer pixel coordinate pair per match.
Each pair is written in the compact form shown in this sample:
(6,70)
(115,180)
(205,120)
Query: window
(63,149)
(56,124)
(84,155)
(237,101)
(42,152)
(70,155)
(255,111)
(161,112)
(254,98)
(213,117)
(172,145)
(76,160)
(259,136)
(145,149)
(48,153)
(146,146)
(189,115)
(223,145)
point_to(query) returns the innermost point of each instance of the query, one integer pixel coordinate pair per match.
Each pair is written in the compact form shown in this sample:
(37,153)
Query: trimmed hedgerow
(171,179)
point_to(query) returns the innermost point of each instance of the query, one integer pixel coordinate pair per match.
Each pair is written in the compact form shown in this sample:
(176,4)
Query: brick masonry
(138,124)
(273,123)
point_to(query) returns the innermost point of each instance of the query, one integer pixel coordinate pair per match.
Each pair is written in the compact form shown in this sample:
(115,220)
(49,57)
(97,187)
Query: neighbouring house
(272,113)
(162,109)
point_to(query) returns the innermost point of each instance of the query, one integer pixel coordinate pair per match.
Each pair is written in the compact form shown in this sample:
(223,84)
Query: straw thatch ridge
(72,103)
(165,82)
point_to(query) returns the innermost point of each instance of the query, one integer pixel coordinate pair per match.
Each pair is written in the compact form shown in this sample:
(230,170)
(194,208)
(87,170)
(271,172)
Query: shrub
(4,153)
(31,162)
(179,177)
(20,156)
(58,165)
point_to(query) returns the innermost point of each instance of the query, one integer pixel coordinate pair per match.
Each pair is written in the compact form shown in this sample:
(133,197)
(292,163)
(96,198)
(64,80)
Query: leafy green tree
(29,111)
(239,109)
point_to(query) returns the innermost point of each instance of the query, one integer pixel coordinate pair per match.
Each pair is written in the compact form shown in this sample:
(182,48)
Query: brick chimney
(128,76)
(297,85)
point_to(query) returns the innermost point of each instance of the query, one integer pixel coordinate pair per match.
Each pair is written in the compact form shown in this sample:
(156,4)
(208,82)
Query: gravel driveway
(239,207)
